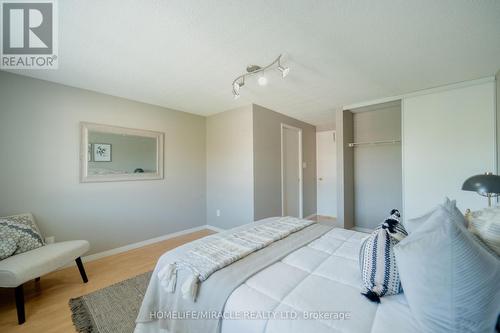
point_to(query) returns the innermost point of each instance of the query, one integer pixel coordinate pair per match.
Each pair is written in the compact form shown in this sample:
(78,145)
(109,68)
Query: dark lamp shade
(483,184)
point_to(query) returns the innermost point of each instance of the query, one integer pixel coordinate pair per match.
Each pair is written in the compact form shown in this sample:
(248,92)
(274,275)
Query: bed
(315,288)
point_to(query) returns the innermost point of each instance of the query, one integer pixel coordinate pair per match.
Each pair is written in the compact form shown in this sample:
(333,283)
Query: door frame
(301,202)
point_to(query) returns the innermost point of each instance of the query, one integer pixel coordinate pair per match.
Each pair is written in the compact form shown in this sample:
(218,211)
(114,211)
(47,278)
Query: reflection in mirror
(121,154)
(115,153)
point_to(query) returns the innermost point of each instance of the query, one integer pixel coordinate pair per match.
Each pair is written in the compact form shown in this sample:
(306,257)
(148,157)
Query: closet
(372,163)
(411,151)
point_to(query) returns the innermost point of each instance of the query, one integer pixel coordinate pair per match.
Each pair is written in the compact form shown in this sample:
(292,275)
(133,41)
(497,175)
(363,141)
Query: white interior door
(291,177)
(326,154)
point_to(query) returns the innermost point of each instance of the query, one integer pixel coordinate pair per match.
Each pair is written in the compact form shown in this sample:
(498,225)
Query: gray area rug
(112,309)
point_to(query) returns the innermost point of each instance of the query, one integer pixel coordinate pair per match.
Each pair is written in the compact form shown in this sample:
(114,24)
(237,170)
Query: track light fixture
(254,69)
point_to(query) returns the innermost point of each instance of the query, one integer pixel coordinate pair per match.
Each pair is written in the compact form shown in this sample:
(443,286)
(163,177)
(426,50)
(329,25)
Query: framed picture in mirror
(102,152)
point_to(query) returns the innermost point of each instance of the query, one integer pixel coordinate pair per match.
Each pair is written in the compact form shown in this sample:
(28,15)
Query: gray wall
(244,165)
(267,162)
(39,149)
(230,168)
(377,169)
(345,169)
(497,82)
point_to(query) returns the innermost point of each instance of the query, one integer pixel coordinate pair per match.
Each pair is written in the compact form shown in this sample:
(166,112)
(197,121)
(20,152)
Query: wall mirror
(111,153)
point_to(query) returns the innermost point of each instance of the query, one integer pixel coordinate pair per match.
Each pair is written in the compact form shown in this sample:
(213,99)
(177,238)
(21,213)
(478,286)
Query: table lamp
(487,185)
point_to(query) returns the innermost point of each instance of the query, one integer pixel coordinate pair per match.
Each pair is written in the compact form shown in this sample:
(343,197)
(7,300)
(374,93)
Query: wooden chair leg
(81,269)
(20,304)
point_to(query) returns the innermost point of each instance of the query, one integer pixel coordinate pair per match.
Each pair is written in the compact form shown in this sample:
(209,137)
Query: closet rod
(387,142)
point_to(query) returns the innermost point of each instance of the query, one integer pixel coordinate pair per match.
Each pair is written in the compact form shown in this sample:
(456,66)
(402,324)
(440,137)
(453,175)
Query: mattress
(320,284)
(314,289)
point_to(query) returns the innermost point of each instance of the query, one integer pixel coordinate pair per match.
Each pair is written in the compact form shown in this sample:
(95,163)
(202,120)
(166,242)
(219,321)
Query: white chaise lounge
(20,268)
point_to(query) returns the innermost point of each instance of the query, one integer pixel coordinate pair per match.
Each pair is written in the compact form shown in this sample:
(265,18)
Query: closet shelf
(373,143)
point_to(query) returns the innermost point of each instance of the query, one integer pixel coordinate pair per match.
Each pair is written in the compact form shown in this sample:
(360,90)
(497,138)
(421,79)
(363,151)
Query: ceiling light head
(253,68)
(237,86)
(284,71)
(236,96)
(262,80)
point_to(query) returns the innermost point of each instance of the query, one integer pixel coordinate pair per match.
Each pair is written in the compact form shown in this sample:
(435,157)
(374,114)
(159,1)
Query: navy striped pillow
(378,263)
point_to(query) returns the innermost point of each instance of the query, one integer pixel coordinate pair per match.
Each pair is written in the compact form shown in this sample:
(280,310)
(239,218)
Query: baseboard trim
(310,216)
(214,228)
(137,245)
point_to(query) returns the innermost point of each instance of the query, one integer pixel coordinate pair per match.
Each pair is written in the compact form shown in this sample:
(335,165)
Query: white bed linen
(322,276)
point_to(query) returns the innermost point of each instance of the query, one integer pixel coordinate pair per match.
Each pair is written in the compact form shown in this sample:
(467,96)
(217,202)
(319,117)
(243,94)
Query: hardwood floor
(322,218)
(46,301)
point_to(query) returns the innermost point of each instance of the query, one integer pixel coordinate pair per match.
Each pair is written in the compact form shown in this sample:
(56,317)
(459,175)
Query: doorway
(291,171)
(326,164)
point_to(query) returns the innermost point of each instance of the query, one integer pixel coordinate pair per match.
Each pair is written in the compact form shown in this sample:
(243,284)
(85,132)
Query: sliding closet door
(448,135)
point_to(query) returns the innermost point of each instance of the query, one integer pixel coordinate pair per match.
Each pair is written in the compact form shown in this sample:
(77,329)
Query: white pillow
(486,225)
(449,279)
(413,224)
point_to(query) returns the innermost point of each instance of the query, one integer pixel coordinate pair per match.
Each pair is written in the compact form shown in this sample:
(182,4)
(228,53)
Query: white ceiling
(184,54)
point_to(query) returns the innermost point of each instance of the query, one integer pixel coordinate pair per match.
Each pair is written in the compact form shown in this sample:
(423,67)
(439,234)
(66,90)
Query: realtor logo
(29,34)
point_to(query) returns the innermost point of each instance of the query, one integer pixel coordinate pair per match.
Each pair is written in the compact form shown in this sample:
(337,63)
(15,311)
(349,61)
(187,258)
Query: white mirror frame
(91,127)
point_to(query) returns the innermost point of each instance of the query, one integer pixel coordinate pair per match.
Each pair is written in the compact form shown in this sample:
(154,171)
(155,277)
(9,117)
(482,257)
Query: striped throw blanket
(221,250)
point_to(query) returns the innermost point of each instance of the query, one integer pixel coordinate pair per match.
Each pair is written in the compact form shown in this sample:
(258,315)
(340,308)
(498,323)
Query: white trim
(495,123)
(372,102)
(301,200)
(495,126)
(214,228)
(143,243)
(457,85)
(281,175)
(403,178)
(452,86)
(132,246)
(339,133)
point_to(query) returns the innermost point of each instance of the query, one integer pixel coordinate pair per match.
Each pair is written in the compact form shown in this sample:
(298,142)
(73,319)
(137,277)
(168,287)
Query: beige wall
(230,168)
(39,149)
(267,162)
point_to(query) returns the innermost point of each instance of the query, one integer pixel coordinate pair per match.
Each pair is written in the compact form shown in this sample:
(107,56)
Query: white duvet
(322,281)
